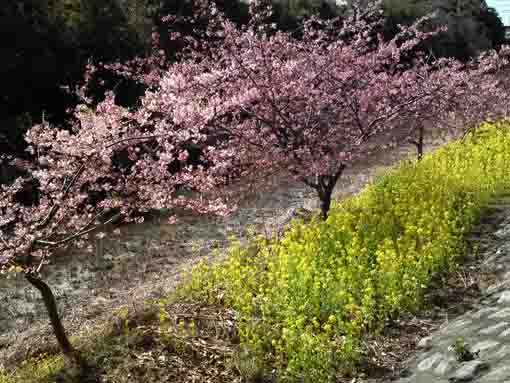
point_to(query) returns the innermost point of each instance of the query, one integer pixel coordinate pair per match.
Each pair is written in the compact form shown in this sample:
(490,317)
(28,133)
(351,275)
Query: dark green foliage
(45,47)
(34,60)
(495,28)
(288,13)
(471,26)
(235,10)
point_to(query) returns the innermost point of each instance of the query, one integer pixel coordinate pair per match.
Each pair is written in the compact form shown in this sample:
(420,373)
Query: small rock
(501,353)
(505,333)
(494,329)
(468,370)
(496,287)
(485,345)
(503,313)
(425,343)
(429,362)
(457,325)
(444,367)
(499,374)
(504,297)
(503,232)
(483,312)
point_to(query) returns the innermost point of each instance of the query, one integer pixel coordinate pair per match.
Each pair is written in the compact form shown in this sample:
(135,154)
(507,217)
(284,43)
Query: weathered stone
(485,345)
(445,366)
(457,325)
(505,333)
(482,312)
(468,371)
(501,353)
(504,232)
(494,329)
(430,362)
(497,287)
(497,375)
(425,343)
(503,313)
(504,298)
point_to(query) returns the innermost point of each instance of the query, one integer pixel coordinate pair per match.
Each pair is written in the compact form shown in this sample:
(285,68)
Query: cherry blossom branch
(66,189)
(135,138)
(75,236)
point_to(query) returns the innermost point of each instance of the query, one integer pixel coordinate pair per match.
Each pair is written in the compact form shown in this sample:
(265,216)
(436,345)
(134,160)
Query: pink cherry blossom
(183,156)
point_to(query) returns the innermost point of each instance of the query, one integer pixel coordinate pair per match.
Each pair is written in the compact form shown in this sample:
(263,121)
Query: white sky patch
(503,9)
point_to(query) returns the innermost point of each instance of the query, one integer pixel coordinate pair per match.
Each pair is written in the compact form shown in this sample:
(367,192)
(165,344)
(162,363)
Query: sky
(503,8)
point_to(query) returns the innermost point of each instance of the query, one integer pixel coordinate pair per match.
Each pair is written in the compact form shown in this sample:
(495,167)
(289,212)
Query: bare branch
(56,206)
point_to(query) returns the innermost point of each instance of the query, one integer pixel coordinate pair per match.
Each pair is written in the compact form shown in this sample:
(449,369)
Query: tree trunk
(419,147)
(51,308)
(419,143)
(324,186)
(325,201)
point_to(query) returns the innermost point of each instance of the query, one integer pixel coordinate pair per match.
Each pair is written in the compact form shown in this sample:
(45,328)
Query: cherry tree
(307,107)
(80,181)
(470,94)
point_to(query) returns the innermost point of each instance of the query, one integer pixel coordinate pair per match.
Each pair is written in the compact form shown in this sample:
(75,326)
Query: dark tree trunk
(419,142)
(81,369)
(325,201)
(324,186)
(419,147)
(51,307)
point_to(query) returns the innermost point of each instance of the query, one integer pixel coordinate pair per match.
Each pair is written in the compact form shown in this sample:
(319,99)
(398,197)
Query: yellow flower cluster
(302,301)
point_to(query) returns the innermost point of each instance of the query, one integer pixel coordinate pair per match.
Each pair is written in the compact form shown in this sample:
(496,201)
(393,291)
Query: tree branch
(55,207)
(76,235)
